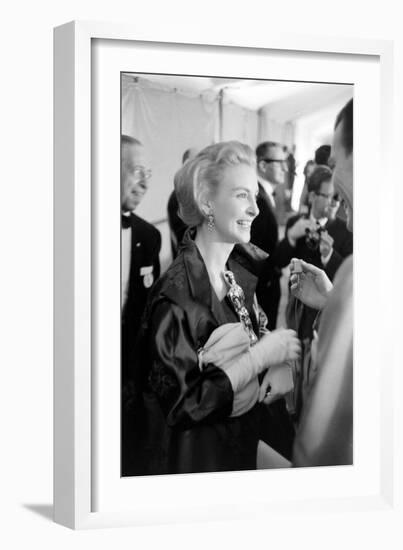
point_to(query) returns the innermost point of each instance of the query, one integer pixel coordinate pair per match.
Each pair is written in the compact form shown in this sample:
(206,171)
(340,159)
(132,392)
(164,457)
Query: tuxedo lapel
(137,247)
(265,198)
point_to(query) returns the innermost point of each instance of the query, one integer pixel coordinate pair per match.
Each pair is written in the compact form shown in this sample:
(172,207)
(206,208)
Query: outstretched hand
(309,284)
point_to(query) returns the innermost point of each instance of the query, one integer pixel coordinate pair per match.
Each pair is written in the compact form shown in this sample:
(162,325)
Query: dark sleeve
(284,252)
(187,395)
(264,230)
(155,254)
(176,224)
(333,264)
(340,251)
(346,248)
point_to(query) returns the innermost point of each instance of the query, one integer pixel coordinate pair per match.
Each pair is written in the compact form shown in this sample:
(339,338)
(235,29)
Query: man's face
(321,200)
(274,168)
(343,174)
(134,176)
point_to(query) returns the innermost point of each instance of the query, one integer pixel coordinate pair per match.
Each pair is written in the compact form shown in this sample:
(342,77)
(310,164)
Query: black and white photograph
(201,303)
(236,274)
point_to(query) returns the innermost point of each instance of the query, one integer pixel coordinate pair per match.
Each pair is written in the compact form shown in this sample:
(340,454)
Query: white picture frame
(77,420)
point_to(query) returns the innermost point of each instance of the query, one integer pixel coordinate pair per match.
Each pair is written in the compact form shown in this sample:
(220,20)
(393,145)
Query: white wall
(272,129)
(240,124)
(167,123)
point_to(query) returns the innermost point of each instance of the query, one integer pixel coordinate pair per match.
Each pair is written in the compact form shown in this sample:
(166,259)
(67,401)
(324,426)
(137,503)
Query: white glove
(273,348)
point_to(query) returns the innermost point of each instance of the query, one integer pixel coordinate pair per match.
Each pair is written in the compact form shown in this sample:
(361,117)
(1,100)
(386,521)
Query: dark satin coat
(188,426)
(145,248)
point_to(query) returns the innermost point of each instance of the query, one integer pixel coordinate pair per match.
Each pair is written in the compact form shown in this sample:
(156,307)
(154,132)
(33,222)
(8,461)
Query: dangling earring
(210,223)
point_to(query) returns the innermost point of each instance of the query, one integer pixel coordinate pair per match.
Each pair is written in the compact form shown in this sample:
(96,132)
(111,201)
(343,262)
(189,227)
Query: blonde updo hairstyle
(200,177)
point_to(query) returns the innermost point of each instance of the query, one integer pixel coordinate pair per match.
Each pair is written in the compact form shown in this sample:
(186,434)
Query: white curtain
(240,124)
(168,121)
(271,129)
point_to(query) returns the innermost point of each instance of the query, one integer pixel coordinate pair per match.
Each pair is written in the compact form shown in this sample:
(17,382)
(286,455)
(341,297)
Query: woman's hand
(277,382)
(277,346)
(273,348)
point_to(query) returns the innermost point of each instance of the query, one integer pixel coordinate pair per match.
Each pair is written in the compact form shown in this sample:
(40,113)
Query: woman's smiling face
(234,204)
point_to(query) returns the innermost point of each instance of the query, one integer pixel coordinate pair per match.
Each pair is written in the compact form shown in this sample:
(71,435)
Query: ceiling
(286,100)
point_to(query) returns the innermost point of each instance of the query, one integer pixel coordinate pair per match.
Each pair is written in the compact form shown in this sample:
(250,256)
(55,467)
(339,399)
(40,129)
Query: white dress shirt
(322,222)
(269,188)
(126,249)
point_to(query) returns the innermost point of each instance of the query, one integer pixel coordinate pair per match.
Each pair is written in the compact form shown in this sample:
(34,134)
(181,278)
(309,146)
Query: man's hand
(312,286)
(298,230)
(326,244)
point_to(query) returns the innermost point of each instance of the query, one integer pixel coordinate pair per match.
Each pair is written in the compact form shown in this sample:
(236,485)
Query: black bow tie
(126,222)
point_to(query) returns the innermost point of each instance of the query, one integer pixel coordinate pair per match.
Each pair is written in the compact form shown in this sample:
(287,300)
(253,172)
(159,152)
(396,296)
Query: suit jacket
(264,234)
(342,247)
(144,271)
(264,231)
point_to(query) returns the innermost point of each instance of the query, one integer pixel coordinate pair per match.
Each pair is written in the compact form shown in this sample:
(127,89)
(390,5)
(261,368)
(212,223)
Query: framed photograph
(102,73)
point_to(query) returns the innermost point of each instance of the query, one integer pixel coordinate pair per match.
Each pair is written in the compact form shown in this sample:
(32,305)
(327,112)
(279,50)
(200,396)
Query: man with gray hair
(140,267)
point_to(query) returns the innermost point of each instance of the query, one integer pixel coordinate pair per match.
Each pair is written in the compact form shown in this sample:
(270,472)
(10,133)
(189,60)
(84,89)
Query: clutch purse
(225,343)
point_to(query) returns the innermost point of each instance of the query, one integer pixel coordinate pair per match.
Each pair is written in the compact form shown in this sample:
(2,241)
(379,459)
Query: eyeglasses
(283,163)
(328,197)
(141,172)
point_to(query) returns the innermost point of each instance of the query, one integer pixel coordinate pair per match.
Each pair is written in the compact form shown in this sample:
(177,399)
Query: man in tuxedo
(277,429)
(291,167)
(140,267)
(271,169)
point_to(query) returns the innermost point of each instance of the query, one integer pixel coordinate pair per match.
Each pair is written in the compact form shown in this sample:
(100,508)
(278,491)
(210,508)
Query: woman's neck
(215,255)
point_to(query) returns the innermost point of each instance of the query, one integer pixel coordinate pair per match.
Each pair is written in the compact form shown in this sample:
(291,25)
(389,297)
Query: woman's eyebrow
(242,188)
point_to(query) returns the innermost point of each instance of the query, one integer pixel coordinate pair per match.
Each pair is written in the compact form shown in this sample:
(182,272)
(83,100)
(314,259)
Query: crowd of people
(209,381)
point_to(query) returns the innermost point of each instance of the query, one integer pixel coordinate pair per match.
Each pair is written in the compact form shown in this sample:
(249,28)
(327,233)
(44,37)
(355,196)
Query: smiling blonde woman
(203,344)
